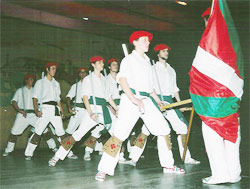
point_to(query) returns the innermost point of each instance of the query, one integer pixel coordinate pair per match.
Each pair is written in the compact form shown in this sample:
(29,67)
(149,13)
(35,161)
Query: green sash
(147,95)
(102,102)
(80,105)
(117,101)
(133,91)
(141,93)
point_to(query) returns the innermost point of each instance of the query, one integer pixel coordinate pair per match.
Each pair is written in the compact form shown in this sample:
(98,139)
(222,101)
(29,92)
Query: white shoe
(52,162)
(192,161)
(130,162)
(5,154)
(122,160)
(54,150)
(100,153)
(72,156)
(211,180)
(87,156)
(173,170)
(28,158)
(100,176)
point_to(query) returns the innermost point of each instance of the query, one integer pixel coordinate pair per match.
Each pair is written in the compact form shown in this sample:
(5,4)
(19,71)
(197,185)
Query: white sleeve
(17,96)
(71,94)
(86,90)
(125,70)
(108,92)
(58,92)
(152,78)
(154,82)
(175,88)
(37,88)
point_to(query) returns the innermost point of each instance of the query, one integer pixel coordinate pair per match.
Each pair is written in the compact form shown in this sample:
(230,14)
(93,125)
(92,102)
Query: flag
(216,75)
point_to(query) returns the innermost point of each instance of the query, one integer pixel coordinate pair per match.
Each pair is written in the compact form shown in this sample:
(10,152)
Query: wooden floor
(16,172)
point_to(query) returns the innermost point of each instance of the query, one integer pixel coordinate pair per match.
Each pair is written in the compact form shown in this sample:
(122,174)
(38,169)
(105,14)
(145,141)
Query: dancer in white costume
(95,96)
(78,108)
(23,104)
(136,80)
(167,89)
(92,143)
(47,96)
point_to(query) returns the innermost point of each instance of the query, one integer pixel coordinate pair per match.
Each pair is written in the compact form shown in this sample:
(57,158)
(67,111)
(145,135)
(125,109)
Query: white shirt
(46,90)
(23,97)
(99,88)
(137,71)
(72,92)
(112,85)
(167,79)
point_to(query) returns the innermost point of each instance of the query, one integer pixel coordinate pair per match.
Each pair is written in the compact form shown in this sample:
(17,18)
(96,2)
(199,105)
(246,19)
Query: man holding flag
(216,87)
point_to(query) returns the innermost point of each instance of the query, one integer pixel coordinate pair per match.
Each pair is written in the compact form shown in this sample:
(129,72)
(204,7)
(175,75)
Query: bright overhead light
(181,3)
(85,18)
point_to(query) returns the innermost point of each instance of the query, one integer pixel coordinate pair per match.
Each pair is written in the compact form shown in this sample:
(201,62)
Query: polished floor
(16,172)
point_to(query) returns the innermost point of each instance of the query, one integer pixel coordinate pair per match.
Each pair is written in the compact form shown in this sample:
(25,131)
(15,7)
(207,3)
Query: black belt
(53,103)
(28,111)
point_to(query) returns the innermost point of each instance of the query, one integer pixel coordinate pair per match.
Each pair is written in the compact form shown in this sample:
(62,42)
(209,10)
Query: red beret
(82,68)
(51,64)
(161,47)
(138,34)
(29,76)
(206,12)
(112,60)
(96,58)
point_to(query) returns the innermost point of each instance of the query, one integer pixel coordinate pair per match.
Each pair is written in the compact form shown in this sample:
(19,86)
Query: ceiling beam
(60,21)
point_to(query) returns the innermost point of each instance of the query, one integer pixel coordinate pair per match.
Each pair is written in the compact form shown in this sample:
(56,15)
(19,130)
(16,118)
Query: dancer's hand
(71,111)
(140,105)
(23,112)
(38,113)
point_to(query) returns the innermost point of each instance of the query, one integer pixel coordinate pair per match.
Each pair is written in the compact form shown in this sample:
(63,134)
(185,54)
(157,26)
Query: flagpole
(175,104)
(188,134)
(212,7)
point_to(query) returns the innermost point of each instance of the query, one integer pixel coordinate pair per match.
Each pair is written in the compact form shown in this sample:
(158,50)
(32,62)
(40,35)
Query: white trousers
(178,126)
(48,116)
(128,115)
(165,155)
(75,120)
(136,152)
(86,124)
(51,142)
(21,123)
(96,132)
(223,155)
(98,146)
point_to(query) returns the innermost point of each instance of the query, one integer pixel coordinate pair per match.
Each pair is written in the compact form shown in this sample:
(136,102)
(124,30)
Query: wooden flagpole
(188,134)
